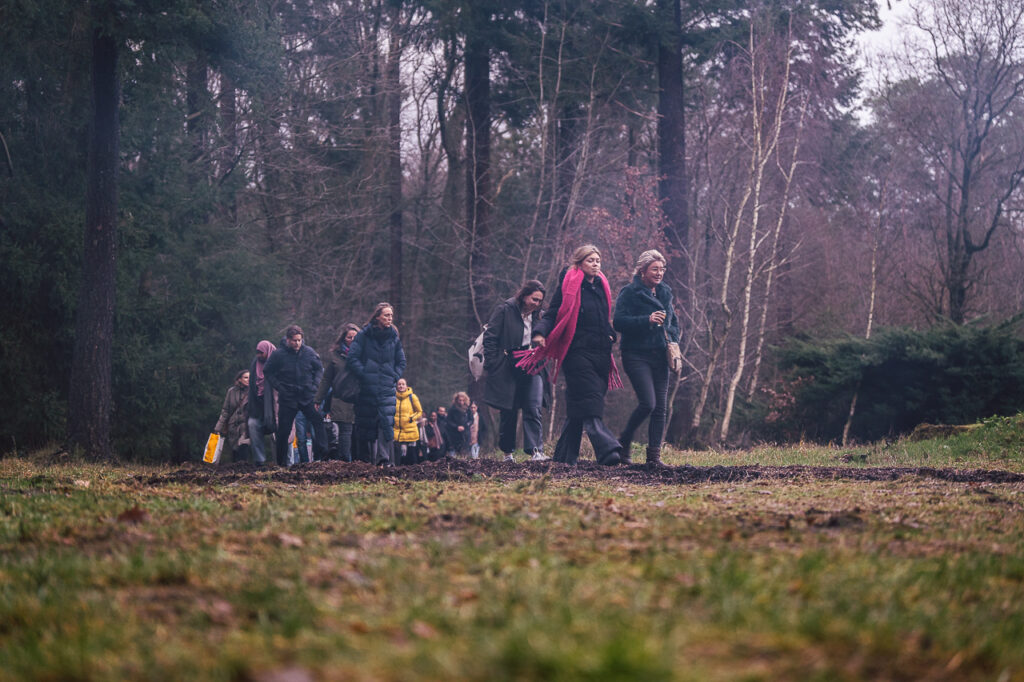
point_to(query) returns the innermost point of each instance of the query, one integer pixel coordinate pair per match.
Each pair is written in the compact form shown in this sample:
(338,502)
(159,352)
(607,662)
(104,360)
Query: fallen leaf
(289,540)
(133,515)
(294,674)
(82,483)
(424,630)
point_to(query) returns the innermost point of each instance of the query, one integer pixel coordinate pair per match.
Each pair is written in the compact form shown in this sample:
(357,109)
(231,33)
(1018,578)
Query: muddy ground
(328,473)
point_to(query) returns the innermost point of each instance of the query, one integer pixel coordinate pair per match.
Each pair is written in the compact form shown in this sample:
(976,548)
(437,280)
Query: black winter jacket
(378,359)
(588,361)
(503,336)
(457,440)
(633,310)
(295,375)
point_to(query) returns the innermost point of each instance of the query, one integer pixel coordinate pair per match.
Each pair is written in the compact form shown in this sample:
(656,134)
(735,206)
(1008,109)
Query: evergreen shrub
(902,377)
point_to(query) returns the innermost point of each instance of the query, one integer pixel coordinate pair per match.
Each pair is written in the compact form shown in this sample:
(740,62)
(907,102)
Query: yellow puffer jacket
(407,413)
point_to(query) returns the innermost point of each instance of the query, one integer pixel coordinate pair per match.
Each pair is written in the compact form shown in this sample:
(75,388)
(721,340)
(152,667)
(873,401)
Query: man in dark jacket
(295,372)
(510,389)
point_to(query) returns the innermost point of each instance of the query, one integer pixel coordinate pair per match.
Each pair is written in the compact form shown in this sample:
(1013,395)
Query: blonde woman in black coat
(647,323)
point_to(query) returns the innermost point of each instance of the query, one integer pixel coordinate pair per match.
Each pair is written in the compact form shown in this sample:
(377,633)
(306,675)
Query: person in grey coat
(233,422)
(509,389)
(295,372)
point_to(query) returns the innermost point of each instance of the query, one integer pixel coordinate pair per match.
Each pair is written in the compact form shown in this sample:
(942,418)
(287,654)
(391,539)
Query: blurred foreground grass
(103,577)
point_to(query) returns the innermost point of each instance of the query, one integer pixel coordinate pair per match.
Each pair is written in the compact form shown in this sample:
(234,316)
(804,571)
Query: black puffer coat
(457,440)
(378,359)
(588,362)
(503,336)
(295,375)
(633,310)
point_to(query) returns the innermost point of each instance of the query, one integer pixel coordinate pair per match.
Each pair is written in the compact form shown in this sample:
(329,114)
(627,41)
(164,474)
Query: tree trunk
(90,400)
(872,296)
(478,177)
(394,113)
(672,183)
(672,141)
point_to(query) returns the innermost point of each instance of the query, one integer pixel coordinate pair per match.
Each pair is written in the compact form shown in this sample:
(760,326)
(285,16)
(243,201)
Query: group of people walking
(374,416)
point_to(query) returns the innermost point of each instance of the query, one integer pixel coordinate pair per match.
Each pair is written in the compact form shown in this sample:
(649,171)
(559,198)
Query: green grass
(995,443)
(105,578)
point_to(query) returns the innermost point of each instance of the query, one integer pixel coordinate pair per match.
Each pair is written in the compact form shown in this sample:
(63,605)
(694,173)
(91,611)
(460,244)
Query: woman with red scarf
(576,334)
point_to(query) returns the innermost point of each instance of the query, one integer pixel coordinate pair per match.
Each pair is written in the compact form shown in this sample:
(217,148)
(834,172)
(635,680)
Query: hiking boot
(539,456)
(654,459)
(509,458)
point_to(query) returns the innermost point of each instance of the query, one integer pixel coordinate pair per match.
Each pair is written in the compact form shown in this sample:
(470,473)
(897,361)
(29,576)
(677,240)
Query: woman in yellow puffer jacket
(407,430)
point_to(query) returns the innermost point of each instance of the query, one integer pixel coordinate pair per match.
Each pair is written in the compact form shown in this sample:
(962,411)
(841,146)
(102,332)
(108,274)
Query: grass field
(110,573)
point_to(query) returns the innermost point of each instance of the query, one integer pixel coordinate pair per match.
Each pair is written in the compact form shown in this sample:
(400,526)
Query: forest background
(181,179)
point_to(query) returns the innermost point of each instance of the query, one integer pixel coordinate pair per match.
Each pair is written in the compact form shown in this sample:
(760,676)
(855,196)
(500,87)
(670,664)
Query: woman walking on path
(262,403)
(342,412)
(378,359)
(408,412)
(234,417)
(576,335)
(509,389)
(433,438)
(647,322)
(457,425)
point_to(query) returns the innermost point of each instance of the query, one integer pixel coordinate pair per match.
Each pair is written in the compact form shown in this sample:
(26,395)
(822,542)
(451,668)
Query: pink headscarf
(266,348)
(560,338)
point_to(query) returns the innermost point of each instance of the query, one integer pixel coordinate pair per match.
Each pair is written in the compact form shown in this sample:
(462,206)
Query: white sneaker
(539,456)
(509,458)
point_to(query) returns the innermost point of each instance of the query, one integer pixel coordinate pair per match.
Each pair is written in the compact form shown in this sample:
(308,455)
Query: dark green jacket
(633,310)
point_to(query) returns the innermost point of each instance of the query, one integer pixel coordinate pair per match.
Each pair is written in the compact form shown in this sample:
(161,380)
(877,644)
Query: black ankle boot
(626,454)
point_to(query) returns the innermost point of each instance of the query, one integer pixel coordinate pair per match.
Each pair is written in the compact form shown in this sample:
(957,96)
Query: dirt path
(327,473)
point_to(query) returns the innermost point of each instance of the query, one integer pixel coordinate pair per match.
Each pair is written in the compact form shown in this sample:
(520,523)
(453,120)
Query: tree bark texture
(672,141)
(90,402)
(394,113)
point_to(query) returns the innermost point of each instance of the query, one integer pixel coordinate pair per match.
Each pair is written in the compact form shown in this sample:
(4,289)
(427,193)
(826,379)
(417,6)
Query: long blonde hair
(582,253)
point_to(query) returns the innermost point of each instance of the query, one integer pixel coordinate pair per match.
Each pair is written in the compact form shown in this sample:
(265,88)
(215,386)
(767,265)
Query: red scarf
(557,343)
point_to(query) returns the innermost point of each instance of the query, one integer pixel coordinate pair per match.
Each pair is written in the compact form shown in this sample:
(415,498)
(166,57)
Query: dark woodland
(181,179)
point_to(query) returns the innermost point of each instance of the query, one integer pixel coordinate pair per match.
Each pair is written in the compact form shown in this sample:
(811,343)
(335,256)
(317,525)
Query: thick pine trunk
(90,399)
(672,141)
(672,161)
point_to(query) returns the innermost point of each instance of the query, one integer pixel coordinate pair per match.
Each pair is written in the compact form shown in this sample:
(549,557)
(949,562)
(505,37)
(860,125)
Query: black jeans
(648,372)
(285,419)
